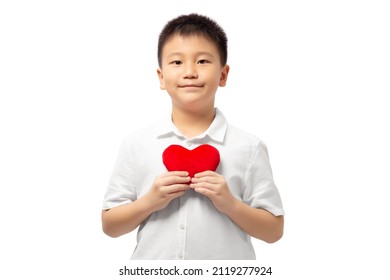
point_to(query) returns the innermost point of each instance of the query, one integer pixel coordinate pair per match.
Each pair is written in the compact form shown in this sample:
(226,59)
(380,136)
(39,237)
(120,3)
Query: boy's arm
(125,218)
(258,223)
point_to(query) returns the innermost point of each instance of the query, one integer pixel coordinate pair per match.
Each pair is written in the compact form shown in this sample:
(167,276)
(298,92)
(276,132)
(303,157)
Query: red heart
(177,158)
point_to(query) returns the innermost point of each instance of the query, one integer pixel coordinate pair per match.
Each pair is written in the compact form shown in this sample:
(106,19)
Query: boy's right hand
(167,187)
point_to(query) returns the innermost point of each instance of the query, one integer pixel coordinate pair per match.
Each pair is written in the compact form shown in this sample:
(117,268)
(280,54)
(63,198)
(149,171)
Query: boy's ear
(160,77)
(224,76)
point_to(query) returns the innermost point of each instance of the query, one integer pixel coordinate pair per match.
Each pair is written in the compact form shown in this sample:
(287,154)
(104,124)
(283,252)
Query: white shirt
(190,227)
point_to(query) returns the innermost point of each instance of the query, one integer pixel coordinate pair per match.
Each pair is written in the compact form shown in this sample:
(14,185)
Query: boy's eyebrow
(198,53)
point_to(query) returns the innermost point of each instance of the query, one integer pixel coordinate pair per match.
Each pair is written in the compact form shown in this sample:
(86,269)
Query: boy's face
(191,72)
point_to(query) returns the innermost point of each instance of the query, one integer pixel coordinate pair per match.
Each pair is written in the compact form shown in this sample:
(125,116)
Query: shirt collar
(216,131)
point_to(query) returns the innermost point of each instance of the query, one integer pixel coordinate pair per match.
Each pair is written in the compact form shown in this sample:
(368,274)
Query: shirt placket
(183,213)
(182,225)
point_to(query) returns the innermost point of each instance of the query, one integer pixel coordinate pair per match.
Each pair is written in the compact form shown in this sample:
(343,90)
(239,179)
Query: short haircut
(194,24)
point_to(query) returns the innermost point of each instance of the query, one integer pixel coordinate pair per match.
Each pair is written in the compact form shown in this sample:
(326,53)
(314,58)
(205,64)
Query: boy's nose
(190,72)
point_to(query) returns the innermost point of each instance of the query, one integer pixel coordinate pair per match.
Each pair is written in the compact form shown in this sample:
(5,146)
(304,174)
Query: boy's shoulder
(245,143)
(144,133)
(235,133)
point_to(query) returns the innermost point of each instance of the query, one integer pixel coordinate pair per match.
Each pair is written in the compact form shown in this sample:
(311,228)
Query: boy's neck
(192,124)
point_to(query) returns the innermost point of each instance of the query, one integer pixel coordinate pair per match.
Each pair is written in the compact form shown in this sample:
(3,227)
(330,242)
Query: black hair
(194,24)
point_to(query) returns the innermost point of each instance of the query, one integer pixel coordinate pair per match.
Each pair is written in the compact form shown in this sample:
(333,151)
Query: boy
(213,214)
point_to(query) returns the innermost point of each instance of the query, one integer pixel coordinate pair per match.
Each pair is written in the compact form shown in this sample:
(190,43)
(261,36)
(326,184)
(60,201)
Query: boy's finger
(205,173)
(175,180)
(177,173)
(203,185)
(177,188)
(205,192)
(209,179)
(176,194)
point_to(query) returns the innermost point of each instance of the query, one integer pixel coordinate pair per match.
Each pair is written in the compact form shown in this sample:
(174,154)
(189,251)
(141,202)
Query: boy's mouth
(190,86)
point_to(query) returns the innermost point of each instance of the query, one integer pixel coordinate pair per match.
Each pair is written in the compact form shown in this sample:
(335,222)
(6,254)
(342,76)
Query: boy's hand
(214,186)
(167,187)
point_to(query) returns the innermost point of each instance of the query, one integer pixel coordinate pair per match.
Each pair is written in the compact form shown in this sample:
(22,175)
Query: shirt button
(180,255)
(189,144)
(182,226)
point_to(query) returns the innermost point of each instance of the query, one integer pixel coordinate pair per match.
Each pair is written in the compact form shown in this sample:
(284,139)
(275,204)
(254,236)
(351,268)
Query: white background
(310,78)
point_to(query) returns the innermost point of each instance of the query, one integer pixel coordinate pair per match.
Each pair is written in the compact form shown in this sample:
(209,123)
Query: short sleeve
(121,189)
(260,190)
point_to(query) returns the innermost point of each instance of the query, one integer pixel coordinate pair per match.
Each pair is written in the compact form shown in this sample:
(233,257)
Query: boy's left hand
(214,186)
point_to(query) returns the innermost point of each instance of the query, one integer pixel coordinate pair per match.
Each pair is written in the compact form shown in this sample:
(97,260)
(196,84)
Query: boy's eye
(202,61)
(176,62)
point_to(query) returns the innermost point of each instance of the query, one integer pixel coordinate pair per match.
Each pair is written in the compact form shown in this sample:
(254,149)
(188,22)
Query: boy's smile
(191,87)
(191,72)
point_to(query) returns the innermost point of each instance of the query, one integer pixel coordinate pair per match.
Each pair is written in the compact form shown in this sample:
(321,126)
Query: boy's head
(194,25)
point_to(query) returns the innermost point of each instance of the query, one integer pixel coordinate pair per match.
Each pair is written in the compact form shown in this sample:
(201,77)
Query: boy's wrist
(233,207)
(147,204)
